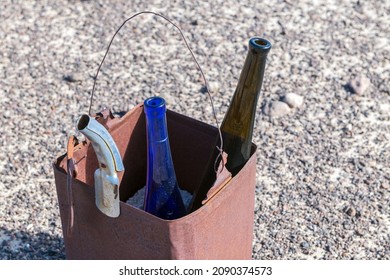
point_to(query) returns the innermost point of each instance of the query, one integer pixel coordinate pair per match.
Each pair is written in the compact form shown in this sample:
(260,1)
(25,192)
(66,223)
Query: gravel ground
(323,171)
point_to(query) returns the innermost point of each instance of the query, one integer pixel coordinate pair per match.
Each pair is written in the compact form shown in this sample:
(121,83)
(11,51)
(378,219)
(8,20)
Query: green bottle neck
(240,117)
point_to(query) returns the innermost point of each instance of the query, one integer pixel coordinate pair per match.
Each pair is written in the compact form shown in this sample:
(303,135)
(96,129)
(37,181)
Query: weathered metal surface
(221,229)
(110,162)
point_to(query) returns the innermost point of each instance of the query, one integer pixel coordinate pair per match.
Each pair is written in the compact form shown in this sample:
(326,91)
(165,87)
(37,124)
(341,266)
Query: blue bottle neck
(155,112)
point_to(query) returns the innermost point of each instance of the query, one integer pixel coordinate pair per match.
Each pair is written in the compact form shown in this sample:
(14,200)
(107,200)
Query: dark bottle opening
(155,102)
(259,44)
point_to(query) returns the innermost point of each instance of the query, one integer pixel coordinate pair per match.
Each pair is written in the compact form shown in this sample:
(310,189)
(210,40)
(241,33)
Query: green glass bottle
(237,126)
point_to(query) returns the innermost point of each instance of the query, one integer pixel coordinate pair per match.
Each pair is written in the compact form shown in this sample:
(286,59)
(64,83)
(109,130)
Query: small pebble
(73,77)
(277,109)
(360,232)
(214,87)
(359,84)
(350,211)
(257,247)
(385,186)
(293,100)
(305,246)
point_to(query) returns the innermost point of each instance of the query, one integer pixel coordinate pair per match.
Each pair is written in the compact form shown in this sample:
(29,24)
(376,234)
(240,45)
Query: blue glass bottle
(162,196)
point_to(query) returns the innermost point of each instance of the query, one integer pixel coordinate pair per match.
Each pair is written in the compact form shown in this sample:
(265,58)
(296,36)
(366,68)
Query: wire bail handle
(193,57)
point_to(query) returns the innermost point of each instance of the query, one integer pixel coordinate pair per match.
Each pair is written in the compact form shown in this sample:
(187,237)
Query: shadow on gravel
(21,245)
(348,88)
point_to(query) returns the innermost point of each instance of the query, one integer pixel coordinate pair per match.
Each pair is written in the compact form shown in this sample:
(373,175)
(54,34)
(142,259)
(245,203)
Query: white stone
(360,84)
(293,100)
(277,109)
(214,87)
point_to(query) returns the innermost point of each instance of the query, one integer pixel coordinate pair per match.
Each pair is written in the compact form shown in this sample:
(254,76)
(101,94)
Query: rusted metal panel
(220,229)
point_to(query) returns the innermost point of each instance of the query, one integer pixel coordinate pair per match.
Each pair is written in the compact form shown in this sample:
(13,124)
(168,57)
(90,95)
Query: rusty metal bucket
(221,229)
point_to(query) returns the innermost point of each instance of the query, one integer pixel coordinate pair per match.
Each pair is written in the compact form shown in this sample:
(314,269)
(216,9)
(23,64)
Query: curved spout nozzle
(110,162)
(102,142)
